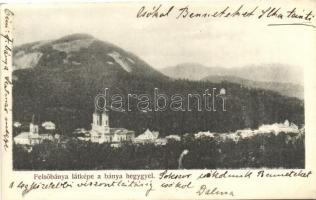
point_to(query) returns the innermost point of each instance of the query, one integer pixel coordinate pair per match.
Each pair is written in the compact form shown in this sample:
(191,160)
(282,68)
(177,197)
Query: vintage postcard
(158,100)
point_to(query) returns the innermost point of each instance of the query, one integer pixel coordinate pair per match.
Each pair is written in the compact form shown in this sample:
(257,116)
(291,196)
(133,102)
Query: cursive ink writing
(271,12)
(292,173)
(169,175)
(293,14)
(179,185)
(27,188)
(301,16)
(6,134)
(204,190)
(226,12)
(215,174)
(154,13)
(121,183)
(6,55)
(7,18)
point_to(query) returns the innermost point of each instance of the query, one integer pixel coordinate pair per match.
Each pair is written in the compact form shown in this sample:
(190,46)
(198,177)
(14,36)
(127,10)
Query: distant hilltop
(279,78)
(266,72)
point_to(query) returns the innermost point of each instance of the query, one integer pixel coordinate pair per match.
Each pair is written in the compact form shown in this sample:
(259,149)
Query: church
(101,131)
(36,134)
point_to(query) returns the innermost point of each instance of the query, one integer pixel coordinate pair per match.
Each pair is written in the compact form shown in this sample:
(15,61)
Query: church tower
(100,122)
(33,127)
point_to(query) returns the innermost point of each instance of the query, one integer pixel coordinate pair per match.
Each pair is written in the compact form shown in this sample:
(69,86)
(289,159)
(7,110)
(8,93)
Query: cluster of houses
(101,132)
(36,134)
(290,129)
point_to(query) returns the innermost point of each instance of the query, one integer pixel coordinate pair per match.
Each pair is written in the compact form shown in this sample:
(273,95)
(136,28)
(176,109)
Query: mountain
(191,71)
(58,81)
(80,51)
(287,89)
(267,73)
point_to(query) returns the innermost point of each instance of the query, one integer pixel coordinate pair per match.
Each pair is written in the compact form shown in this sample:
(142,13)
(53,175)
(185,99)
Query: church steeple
(33,118)
(33,126)
(101,121)
(101,131)
(105,118)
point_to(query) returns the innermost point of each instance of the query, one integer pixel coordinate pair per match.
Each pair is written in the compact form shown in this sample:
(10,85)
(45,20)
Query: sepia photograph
(167,87)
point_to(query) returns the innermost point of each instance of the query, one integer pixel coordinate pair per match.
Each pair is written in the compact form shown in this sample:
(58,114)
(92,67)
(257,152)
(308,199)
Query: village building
(245,133)
(173,137)
(80,131)
(147,137)
(202,134)
(101,131)
(34,135)
(49,125)
(17,124)
(82,134)
(233,136)
(277,128)
(290,129)
(161,141)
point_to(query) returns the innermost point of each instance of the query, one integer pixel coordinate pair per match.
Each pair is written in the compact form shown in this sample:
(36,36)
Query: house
(49,125)
(122,134)
(26,139)
(82,134)
(101,132)
(83,138)
(80,131)
(173,137)
(147,137)
(161,141)
(245,133)
(203,134)
(17,124)
(233,136)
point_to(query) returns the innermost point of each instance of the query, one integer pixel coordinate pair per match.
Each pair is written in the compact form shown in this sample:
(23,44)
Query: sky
(167,42)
